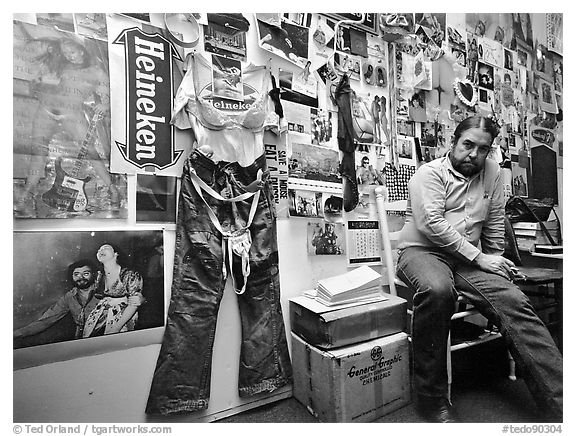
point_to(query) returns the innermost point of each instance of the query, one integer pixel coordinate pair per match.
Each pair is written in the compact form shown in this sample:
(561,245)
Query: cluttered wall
(99,151)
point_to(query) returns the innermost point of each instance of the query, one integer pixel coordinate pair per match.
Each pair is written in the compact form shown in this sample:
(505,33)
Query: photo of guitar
(68,190)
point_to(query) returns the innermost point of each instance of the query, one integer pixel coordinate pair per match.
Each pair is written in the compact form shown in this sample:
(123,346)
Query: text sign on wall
(149,134)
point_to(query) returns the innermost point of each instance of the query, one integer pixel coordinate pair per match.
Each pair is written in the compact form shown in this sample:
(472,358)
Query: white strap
(199,185)
(213,193)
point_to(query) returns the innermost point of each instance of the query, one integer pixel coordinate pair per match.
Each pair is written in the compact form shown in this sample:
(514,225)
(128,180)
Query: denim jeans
(437,278)
(181,381)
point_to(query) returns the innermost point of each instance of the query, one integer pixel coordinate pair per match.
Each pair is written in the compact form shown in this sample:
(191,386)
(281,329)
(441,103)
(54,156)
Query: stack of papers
(360,284)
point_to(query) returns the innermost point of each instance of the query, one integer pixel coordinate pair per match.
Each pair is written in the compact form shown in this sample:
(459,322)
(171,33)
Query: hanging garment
(181,380)
(346,143)
(233,128)
(226,226)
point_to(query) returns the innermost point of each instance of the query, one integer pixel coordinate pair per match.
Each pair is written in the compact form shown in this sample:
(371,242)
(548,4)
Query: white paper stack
(360,284)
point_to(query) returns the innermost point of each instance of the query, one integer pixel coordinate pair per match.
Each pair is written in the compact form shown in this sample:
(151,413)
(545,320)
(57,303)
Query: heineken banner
(145,67)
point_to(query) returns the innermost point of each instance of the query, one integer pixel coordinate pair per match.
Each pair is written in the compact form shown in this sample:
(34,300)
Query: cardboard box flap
(328,314)
(356,349)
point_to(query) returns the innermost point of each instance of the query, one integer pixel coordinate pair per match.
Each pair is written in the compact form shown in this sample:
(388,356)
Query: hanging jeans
(181,381)
(434,276)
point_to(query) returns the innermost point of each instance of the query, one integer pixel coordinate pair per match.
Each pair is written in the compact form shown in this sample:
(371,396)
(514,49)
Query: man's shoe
(436,409)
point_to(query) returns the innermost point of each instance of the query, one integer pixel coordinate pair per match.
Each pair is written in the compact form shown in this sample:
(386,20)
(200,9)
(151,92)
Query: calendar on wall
(363,243)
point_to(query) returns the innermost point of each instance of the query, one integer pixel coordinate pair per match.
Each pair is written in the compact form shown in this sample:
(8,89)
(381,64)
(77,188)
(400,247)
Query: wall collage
(100,133)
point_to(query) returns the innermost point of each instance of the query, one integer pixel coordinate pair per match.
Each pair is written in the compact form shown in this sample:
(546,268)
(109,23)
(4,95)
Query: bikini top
(251,113)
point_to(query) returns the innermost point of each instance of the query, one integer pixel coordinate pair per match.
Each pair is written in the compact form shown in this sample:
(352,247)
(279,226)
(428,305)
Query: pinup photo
(61,135)
(78,284)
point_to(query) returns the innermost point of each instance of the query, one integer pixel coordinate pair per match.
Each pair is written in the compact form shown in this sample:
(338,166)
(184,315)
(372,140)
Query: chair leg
(449,367)
(512,367)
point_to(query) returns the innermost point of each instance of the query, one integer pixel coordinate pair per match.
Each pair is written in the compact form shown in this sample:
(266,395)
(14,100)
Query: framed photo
(64,304)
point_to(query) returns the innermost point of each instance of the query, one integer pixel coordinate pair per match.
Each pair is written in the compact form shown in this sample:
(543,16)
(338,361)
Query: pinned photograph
(547,96)
(486,76)
(313,162)
(289,41)
(491,52)
(495,26)
(417,106)
(332,207)
(77,285)
(227,78)
(366,172)
(324,127)
(472,58)
(508,59)
(91,25)
(56,20)
(325,238)
(363,118)
(304,203)
(406,150)
(297,90)
(155,198)
(522,28)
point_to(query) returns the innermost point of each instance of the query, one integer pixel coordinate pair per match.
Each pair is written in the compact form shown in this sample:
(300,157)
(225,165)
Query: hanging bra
(239,241)
(253,118)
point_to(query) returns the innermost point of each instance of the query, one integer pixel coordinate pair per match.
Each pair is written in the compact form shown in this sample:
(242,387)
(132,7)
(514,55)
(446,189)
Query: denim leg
(264,359)
(428,273)
(181,380)
(527,338)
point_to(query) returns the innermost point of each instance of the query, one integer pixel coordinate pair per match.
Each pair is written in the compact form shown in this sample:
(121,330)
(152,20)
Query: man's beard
(83,283)
(468,169)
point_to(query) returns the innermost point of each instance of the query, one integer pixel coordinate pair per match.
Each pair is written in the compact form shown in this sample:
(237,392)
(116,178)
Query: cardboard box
(358,383)
(336,326)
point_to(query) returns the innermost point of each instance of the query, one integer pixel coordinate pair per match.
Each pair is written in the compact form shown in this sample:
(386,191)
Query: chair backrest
(391,216)
(511,250)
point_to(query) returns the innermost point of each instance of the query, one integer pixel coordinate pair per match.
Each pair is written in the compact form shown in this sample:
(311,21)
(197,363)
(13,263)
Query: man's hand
(495,264)
(136,299)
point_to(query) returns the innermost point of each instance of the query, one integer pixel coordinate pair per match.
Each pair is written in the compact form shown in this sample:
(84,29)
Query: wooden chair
(537,281)
(463,309)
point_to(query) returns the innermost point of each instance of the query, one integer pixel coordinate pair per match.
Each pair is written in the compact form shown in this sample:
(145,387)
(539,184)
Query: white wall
(113,387)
